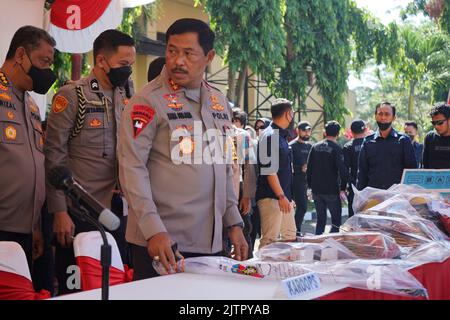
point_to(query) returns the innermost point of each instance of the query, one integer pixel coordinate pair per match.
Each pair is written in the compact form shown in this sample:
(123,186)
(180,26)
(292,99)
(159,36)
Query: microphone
(61,178)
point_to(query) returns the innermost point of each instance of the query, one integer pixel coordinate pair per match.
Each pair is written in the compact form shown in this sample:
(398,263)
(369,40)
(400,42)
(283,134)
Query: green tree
(249,35)
(423,57)
(437,10)
(135,19)
(321,36)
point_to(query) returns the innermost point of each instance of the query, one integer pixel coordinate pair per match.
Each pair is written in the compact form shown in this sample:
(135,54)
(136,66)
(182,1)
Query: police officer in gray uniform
(22,185)
(175,195)
(82,135)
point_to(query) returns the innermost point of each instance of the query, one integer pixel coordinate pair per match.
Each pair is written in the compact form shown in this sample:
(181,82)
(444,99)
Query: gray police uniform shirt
(90,155)
(190,201)
(22,185)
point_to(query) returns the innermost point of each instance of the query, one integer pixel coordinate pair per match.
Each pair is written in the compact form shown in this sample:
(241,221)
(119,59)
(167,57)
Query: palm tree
(424,56)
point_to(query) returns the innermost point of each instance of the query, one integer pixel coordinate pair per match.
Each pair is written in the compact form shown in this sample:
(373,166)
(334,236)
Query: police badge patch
(141,116)
(59,104)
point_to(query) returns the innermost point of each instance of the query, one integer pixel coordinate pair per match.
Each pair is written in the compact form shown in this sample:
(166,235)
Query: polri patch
(59,104)
(141,116)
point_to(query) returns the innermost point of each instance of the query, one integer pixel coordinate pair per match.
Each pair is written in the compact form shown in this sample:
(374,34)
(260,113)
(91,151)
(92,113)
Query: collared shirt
(192,200)
(418,150)
(22,182)
(436,152)
(90,155)
(283,159)
(351,154)
(382,160)
(300,152)
(326,171)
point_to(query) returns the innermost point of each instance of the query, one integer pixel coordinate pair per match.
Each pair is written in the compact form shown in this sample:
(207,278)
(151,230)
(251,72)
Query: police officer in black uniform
(300,150)
(327,176)
(351,154)
(384,154)
(436,153)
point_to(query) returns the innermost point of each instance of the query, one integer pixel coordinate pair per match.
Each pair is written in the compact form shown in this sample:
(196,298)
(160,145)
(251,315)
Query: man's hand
(244,205)
(240,246)
(63,228)
(159,247)
(38,244)
(285,205)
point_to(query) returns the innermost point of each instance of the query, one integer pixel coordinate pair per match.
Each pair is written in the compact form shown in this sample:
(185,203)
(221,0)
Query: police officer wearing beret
(300,151)
(176,195)
(385,153)
(82,135)
(351,154)
(22,185)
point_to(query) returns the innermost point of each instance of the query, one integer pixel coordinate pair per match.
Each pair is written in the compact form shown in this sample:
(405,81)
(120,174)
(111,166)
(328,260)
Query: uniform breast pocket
(94,130)
(38,138)
(12,132)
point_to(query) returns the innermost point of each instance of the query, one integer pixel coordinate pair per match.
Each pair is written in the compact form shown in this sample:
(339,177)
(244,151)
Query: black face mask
(42,79)
(383,126)
(119,76)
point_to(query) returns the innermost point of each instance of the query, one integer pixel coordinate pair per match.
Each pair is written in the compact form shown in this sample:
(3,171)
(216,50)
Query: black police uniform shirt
(326,172)
(351,154)
(284,172)
(300,152)
(436,152)
(381,161)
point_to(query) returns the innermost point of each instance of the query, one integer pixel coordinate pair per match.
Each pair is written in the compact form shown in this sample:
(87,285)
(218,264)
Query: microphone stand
(105,255)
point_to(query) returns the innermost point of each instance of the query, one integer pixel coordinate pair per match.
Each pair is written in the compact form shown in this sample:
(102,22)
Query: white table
(184,286)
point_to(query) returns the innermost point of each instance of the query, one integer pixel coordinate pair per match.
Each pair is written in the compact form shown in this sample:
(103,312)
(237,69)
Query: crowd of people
(140,155)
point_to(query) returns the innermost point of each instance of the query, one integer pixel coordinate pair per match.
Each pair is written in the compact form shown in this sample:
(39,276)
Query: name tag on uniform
(297,286)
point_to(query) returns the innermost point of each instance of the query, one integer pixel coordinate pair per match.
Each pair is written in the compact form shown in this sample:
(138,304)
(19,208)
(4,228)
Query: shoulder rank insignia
(94,85)
(3,80)
(215,104)
(173,85)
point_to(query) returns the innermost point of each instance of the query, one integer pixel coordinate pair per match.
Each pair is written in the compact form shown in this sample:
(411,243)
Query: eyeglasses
(438,122)
(259,128)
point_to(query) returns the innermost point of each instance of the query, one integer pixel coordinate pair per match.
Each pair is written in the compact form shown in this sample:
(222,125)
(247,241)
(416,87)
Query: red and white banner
(76,23)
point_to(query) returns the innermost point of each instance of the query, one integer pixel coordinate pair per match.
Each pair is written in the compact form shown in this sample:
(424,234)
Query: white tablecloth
(184,286)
